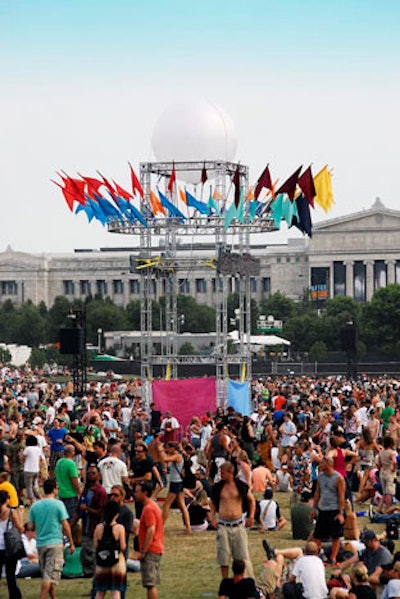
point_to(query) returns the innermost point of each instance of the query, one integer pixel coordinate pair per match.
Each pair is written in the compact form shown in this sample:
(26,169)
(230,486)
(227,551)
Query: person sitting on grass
(238,587)
(270,515)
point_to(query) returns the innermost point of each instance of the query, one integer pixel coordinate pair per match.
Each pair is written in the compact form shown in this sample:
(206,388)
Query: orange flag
(155,204)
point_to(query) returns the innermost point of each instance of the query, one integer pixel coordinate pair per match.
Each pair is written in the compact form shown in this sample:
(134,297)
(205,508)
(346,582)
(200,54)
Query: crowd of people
(99,468)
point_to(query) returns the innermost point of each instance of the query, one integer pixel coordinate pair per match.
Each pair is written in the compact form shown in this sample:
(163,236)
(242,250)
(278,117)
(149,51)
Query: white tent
(260,340)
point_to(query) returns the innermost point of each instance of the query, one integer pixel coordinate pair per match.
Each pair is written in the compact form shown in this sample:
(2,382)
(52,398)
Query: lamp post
(99,334)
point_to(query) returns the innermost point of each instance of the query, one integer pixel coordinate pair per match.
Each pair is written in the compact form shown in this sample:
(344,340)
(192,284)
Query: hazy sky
(82,83)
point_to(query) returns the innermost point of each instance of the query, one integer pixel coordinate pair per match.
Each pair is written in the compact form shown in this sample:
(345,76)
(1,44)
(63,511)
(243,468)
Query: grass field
(189,569)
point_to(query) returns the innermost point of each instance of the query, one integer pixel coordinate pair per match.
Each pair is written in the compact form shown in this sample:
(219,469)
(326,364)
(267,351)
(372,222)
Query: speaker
(72,341)
(348,338)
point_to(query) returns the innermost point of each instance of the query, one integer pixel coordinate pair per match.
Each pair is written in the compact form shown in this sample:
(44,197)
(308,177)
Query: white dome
(194,130)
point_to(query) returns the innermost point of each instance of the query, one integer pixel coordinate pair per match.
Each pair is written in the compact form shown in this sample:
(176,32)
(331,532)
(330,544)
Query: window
(102,287)
(320,285)
(154,286)
(339,278)
(287,258)
(380,274)
(85,287)
(266,286)
(253,285)
(359,290)
(279,259)
(201,286)
(8,288)
(134,286)
(69,287)
(184,286)
(118,287)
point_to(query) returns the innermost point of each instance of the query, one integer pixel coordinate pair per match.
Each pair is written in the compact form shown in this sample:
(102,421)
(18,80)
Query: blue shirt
(54,435)
(47,515)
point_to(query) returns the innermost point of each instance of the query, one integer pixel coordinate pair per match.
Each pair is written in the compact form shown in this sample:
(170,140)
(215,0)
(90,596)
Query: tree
(103,314)
(279,306)
(5,356)
(187,349)
(380,320)
(318,351)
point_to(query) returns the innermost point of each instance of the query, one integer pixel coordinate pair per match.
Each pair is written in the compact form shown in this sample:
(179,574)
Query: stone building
(351,255)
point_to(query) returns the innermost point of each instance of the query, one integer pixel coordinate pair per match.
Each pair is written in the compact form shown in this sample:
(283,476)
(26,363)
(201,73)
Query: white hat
(37,420)
(106,415)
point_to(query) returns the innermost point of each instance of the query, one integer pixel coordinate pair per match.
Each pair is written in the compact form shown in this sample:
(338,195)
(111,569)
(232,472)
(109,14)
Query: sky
(82,83)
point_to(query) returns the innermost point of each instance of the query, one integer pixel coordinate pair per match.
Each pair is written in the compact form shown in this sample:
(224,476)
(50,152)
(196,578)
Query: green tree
(380,320)
(29,326)
(5,356)
(103,314)
(57,317)
(318,351)
(133,315)
(279,306)
(187,349)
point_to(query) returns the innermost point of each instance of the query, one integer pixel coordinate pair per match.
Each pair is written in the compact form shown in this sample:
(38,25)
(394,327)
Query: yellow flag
(323,189)
(168,372)
(243,373)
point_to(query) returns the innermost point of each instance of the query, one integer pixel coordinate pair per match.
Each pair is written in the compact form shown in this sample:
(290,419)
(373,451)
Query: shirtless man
(232,498)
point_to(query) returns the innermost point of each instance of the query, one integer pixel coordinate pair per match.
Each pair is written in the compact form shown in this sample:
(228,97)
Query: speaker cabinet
(72,341)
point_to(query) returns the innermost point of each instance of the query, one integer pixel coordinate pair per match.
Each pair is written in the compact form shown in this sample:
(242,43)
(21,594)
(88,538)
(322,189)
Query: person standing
(329,498)
(90,508)
(32,455)
(151,539)
(67,478)
(10,562)
(110,578)
(231,498)
(50,519)
(16,461)
(113,470)
(56,440)
(170,428)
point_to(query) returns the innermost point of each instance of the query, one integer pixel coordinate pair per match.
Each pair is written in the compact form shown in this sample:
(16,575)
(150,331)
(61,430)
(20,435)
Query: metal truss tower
(166,266)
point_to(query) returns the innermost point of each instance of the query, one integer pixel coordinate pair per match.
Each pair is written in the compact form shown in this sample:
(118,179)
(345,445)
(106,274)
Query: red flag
(69,198)
(75,187)
(263,181)
(172,179)
(306,184)
(236,182)
(93,184)
(204,175)
(136,187)
(122,192)
(289,186)
(108,184)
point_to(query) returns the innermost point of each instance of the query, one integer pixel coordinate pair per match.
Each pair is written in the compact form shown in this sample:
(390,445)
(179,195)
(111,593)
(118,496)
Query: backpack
(107,552)
(392,530)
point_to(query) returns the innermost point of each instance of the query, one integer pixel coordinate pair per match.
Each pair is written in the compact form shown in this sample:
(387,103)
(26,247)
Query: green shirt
(66,470)
(47,515)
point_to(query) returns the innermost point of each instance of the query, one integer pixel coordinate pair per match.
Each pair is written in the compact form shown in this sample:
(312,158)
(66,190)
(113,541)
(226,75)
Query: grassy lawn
(189,569)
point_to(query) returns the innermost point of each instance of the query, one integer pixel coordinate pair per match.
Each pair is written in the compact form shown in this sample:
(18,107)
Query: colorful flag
(212,204)
(217,195)
(277,209)
(240,208)
(172,180)
(303,219)
(93,184)
(138,215)
(136,186)
(182,195)
(122,192)
(108,185)
(236,182)
(155,204)
(263,181)
(199,206)
(69,198)
(289,210)
(86,209)
(75,187)
(204,175)
(250,195)
(253,205)
(289,186)
(173,211)
(231,213)
(306,184)
(323,189)
(109,210)
(97,210)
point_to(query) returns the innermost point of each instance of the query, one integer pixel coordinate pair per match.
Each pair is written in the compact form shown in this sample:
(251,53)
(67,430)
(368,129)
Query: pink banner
(185,398)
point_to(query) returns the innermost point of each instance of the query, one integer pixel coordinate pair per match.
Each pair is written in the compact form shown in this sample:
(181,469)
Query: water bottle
(361,514)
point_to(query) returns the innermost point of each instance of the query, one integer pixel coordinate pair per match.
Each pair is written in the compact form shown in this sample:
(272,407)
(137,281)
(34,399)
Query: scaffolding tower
(166,266)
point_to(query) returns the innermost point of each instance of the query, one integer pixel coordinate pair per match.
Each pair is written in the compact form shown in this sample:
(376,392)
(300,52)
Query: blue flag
(199,206)
(172,210)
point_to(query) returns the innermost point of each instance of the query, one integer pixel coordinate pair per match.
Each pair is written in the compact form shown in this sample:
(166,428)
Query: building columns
(391,272)
(369,279)
(349,278)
